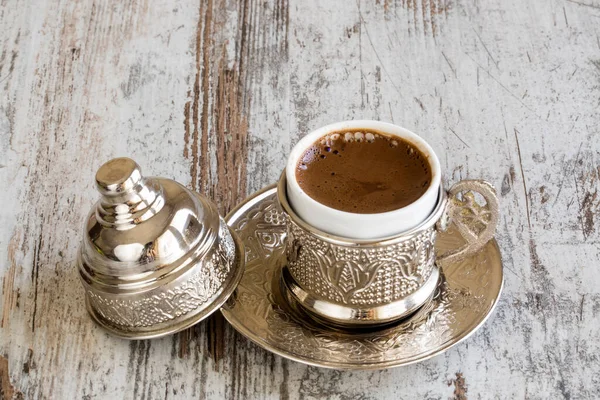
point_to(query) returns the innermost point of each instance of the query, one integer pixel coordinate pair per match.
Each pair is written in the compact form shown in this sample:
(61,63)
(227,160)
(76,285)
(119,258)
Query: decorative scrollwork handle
(476,223)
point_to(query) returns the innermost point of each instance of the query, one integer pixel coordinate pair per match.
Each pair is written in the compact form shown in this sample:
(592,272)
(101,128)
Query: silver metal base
(352,317)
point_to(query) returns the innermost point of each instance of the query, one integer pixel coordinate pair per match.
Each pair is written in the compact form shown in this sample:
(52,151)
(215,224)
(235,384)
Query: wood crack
(486,49)
(34,277)
(584,4)
(523,179)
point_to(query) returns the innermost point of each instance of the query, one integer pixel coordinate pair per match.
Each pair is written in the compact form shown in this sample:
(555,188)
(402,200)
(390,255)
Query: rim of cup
(432,219)
(385,129)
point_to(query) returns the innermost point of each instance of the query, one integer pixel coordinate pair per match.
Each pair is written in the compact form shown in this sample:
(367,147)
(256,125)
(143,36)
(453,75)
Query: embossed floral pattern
(180,299)
(362,276)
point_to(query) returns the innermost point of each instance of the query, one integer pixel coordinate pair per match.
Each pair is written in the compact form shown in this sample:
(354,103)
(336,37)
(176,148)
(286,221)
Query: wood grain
(7,391)
(214,93)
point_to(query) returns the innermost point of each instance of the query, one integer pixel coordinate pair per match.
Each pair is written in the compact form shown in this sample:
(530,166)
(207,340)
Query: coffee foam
(345,183)
(329,140)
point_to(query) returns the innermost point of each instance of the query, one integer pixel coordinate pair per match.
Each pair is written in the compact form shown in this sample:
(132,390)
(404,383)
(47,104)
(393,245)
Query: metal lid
(156,257)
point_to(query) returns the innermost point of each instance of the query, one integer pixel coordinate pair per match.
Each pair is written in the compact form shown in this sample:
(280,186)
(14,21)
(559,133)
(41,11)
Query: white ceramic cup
(354,225)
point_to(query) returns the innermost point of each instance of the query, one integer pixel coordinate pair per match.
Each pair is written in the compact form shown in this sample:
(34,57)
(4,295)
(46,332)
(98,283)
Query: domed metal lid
(156,257)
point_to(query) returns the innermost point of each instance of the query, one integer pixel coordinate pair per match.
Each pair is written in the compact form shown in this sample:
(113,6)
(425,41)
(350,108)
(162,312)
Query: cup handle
(476,223)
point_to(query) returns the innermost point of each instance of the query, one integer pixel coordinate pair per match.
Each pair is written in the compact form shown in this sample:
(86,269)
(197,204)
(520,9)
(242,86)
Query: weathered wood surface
(214,93)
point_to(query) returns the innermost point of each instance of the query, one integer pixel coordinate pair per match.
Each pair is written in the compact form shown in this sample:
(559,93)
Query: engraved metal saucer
(466,295)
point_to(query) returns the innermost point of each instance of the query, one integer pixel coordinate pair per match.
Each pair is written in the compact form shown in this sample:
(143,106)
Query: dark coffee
(363,172)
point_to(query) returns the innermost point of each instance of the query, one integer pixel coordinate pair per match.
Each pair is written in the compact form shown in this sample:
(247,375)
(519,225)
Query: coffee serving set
(305,281)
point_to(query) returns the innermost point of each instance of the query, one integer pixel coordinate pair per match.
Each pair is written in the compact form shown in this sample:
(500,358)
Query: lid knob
(127,197)
(117,176)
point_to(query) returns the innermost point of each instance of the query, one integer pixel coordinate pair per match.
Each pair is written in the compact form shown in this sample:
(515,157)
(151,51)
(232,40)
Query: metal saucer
(466,295)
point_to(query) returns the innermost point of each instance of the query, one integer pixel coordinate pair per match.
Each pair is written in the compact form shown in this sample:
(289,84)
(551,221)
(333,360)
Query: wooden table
(215,93)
